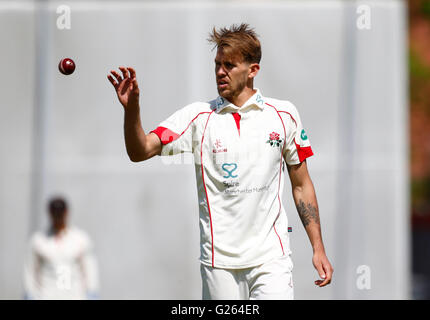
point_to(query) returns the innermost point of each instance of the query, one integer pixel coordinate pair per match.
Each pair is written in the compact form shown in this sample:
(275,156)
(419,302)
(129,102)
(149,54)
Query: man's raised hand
(126,86)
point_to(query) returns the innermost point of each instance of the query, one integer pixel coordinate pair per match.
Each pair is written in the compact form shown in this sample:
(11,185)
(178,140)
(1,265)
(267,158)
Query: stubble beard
(230,94)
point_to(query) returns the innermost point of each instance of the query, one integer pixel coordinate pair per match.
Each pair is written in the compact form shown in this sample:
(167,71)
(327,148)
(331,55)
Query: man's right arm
(140,146)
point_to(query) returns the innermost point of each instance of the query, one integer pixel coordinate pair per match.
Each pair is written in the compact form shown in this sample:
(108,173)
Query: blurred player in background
(60,262)
(241,142)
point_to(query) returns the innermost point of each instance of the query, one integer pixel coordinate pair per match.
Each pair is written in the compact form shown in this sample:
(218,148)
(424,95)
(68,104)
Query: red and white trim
(302,152)
(166,135)
(237,117)
(206,192)
(279,180)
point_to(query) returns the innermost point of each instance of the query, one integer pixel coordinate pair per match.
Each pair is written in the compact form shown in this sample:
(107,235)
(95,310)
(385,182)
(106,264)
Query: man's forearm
(307,208)
(135,137)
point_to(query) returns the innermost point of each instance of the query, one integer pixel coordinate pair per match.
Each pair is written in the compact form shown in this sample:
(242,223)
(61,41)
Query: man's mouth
(222,84)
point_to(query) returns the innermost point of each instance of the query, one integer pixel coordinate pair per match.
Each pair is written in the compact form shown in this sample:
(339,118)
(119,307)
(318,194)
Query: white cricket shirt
(61,266)
(238,155)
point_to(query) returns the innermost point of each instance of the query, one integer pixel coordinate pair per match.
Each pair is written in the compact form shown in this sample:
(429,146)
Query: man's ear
(253,70)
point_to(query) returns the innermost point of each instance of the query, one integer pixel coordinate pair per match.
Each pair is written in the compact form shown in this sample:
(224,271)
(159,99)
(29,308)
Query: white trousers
(271,281)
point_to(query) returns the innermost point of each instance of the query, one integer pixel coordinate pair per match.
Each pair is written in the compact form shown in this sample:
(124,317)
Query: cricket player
(60,264)
(242,141)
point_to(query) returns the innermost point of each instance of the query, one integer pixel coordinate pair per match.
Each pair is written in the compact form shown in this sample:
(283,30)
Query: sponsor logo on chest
(218,147)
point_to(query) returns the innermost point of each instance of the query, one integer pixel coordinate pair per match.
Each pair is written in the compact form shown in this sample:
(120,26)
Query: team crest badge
(274,139)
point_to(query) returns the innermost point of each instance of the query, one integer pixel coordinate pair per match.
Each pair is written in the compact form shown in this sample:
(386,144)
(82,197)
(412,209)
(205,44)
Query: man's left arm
(307,208)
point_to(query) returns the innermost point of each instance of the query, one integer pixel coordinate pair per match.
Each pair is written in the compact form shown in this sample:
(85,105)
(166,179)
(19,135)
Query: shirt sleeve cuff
(166,135)
(303,152)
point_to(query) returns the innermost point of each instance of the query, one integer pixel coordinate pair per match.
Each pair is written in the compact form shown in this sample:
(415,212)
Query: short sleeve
(297,145)
(175,132)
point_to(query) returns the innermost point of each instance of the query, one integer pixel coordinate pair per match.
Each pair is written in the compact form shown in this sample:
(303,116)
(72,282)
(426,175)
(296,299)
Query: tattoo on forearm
(307,213)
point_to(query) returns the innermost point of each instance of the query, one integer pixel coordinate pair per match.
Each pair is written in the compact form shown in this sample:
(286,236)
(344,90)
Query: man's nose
(220,71)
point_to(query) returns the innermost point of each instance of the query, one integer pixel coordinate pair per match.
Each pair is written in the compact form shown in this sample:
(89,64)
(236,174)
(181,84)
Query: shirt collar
(256,100)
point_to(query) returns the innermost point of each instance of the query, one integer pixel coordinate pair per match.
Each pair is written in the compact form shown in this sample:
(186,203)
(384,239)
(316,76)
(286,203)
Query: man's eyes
(227,65)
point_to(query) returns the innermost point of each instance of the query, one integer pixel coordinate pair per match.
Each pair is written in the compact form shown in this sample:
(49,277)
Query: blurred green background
(419,71)
(419,82)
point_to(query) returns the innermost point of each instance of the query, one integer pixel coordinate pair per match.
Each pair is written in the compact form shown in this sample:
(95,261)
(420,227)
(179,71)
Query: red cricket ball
(66,66)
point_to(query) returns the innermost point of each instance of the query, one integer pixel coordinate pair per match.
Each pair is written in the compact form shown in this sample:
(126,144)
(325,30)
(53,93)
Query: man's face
(58,219)
(232,74)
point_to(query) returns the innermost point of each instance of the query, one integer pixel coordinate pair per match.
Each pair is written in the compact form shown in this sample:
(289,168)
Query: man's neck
(57,229)
(244,96)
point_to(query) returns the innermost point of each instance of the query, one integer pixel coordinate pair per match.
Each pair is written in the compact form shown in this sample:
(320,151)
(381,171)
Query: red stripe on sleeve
(166,136)
(303,152)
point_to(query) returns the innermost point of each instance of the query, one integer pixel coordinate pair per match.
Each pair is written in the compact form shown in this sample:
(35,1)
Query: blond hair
(238,39)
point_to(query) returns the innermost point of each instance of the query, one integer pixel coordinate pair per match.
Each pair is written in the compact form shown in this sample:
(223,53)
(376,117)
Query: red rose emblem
(274,136)
(274,140)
